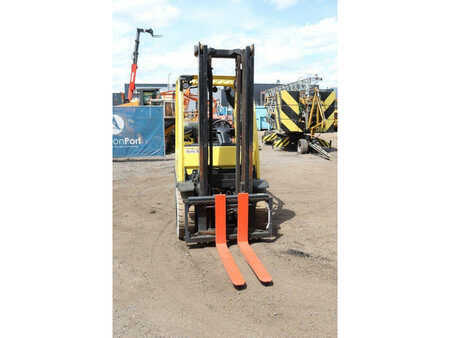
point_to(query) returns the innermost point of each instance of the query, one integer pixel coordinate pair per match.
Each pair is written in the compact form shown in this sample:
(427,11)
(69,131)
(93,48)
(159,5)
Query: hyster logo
(118,124)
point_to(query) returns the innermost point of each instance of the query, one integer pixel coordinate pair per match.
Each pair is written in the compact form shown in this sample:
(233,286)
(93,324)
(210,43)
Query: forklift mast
(244,198)
(243,124)
(132,85)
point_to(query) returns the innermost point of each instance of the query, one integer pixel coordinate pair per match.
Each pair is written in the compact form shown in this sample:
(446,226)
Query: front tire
(179,207)
(302,146)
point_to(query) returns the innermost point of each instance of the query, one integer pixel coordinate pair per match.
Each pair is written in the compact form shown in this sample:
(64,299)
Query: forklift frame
(245,179)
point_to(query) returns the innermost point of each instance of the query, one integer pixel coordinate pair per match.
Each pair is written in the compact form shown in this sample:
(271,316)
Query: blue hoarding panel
(138,131)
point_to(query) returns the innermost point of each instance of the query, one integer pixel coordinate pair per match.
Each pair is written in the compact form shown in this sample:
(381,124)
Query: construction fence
(138,131)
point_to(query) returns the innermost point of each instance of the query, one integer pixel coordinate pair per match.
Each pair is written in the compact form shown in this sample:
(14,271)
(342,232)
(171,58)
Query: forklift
(219,193)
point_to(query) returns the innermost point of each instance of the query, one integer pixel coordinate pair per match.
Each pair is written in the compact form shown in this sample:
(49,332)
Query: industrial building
(258,89)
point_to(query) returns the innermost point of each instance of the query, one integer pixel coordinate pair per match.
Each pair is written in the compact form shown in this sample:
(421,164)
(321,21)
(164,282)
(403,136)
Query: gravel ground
(161,287)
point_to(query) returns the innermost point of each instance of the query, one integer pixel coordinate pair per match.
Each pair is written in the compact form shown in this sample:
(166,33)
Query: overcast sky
(292,37)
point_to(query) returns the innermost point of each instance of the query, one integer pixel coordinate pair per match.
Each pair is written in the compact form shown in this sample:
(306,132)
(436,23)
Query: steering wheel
(217,123)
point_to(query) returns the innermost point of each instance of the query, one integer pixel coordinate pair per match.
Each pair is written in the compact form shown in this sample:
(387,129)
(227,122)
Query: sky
(292,38)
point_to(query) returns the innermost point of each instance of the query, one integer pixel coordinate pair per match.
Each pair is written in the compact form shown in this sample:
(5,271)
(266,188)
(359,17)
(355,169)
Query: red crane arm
(132,85)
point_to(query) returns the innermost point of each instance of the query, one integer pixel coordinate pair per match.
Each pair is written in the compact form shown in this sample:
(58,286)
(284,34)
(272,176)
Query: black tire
(179,210)
(302,146)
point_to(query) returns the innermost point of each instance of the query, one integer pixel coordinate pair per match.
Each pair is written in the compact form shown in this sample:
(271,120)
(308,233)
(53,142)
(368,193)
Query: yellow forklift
(220,195)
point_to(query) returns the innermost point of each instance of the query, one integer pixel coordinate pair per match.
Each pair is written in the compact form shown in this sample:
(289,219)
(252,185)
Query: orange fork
(221,242)
(245,248)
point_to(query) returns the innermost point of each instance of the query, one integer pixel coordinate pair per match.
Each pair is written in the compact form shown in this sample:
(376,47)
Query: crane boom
(132,85)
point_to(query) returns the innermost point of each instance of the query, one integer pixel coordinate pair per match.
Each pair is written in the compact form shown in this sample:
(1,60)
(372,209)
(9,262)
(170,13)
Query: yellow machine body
(187,154)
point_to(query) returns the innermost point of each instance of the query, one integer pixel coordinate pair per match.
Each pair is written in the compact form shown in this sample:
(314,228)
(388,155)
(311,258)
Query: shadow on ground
(279,213)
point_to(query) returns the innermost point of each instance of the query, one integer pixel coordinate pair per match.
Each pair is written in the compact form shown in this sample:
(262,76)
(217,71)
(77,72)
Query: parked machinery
(219,192)
(298,111)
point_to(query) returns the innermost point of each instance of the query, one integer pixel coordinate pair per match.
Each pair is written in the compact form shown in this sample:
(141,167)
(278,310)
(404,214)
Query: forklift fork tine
(245,248)
(221,242)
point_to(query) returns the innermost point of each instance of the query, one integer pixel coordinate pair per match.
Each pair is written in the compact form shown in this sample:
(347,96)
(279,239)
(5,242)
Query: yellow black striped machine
(296,112)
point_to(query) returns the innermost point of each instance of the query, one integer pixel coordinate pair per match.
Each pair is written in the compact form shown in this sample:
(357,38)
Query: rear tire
(302,146)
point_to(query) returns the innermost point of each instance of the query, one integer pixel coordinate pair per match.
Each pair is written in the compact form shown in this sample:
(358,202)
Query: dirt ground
(163,288)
